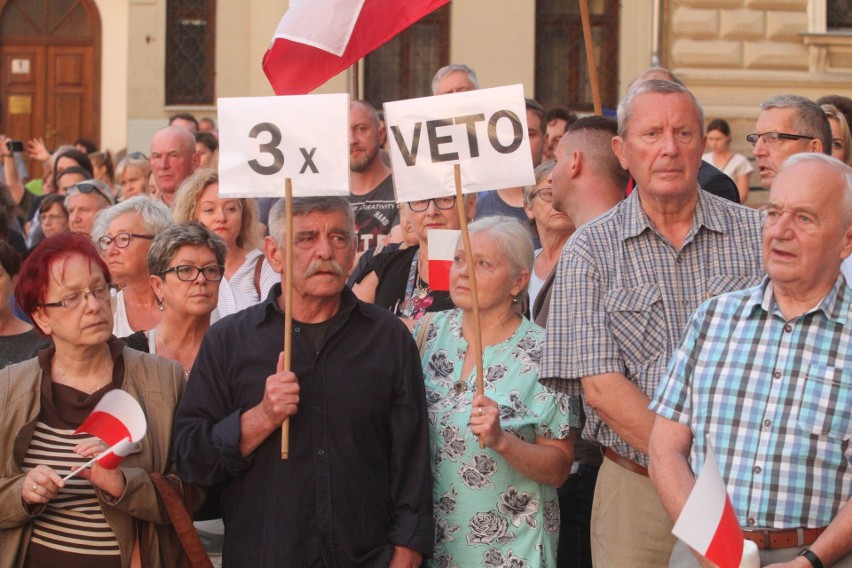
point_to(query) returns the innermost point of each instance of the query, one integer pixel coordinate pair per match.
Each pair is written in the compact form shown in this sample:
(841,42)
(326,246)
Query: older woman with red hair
(65,288)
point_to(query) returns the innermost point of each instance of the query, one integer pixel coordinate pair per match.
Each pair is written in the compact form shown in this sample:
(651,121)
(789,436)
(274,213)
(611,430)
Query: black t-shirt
(376,214)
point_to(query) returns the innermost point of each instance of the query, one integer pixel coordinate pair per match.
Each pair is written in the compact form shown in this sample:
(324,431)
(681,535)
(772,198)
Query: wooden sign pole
(288,303)
(590,57)
(471,273)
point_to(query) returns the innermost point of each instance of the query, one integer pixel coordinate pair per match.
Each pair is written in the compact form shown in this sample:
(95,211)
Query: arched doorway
(50,52)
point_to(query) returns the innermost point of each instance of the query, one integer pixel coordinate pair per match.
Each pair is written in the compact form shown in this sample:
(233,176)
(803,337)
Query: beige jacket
(157,384)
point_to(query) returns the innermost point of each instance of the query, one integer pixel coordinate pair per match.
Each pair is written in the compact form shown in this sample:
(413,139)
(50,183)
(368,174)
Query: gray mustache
(324,266)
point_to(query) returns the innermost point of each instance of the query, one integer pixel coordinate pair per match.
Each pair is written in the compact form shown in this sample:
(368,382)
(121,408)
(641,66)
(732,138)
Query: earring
(160,304)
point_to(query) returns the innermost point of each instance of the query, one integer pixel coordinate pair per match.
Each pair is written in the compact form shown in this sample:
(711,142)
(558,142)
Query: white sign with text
(264,140)
(483,131)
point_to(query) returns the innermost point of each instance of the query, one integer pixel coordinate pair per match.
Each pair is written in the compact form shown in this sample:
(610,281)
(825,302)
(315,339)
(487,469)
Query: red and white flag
(708,522)
(442,249)
(317,39)
(119,422)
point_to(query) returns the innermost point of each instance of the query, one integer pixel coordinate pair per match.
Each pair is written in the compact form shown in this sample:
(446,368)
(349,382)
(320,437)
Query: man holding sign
(356,489)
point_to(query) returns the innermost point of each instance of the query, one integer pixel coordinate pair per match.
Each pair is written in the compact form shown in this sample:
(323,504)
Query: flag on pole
(119,422)
(442,249)
(317,39)
(708,522)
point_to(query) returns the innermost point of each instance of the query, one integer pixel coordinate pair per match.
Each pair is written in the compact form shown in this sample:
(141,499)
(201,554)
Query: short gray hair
(844,177)
(541,172)
(190,233)
(305,205)
(512,238)
(155,215)
(447,69)
(810,118)
(625,107)
(103,191)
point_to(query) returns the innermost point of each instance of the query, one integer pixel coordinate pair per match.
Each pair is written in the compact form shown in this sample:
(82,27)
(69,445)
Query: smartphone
(15,146)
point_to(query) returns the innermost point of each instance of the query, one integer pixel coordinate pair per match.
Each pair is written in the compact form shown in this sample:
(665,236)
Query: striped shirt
(239,292)
(775,398)
(73,522)
(623,295)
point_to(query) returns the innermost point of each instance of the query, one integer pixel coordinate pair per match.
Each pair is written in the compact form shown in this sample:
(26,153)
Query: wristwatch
(812,558)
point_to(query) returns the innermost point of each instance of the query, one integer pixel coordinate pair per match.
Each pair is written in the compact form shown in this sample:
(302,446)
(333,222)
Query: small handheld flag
(708,522)
(442,249)
(118,421)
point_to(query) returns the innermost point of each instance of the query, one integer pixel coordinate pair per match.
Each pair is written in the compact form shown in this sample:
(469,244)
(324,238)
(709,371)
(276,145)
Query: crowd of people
(631,311)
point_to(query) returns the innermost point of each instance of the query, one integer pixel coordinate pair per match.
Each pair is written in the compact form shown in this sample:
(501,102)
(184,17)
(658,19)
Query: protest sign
(484,131)
(263,140)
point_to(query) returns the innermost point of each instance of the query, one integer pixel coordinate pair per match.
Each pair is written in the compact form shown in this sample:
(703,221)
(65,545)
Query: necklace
(66,380)
(172,355)
(421,290)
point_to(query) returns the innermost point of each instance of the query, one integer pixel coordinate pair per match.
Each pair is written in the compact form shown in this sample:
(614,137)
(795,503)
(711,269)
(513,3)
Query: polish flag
(708,522)
(442,249)
(317,39)
(119,422)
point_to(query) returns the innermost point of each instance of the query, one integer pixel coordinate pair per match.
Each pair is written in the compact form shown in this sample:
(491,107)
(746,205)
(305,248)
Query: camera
(15,146)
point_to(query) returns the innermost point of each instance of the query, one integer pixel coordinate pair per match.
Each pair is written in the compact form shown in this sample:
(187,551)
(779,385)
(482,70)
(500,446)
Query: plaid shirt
(775,398)
(623,295)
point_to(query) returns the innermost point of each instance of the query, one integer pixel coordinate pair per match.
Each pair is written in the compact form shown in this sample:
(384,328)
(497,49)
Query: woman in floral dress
(494,506)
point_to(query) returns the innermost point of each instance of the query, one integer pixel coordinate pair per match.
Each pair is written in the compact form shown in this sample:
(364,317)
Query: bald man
(173,159)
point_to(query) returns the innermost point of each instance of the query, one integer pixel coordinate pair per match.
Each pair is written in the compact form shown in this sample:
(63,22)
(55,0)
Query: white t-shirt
(737,166)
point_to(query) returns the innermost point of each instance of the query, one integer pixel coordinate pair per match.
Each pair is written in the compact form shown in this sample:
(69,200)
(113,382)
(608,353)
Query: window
(561,71)
(190,49)
(403,67)
(838,14)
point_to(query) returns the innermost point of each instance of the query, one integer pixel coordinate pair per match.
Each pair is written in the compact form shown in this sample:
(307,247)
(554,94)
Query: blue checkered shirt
(623,296)
(775,399)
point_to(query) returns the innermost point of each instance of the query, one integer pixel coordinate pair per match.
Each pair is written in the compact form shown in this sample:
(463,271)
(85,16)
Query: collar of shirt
(636,220)
(348,302)
(835,305)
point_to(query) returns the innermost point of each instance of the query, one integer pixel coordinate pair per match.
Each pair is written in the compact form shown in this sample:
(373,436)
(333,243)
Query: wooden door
(50,52)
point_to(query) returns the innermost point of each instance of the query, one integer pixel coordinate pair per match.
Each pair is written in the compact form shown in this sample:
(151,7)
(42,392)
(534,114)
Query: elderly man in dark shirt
(356,489)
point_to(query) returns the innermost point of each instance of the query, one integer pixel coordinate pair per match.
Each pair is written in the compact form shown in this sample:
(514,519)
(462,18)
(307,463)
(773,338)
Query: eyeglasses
(76,299)
(440,202)
(772,138)
(88,187)
(545,193)
(121,240)
(189,273)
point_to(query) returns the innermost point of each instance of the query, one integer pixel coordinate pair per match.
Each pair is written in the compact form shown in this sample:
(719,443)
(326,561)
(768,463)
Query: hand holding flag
(708,522)
(118,422)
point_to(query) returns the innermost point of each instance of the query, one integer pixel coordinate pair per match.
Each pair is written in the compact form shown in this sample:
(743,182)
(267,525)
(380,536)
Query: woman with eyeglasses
(132,176)
(186,265)
(248,276)
(92,519)
(553,228)
(123,234)
(495,504)
(399,281)
(52,215)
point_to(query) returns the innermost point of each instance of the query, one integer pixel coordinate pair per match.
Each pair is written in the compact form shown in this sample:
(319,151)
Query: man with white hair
(633,277)
(762,374)
(455,78)
(173,158)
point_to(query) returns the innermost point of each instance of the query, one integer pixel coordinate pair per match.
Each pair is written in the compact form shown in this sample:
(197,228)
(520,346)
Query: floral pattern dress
(486,513)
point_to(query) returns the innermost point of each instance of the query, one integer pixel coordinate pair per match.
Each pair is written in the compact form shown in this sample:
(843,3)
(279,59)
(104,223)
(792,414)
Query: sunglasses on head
(88,187)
